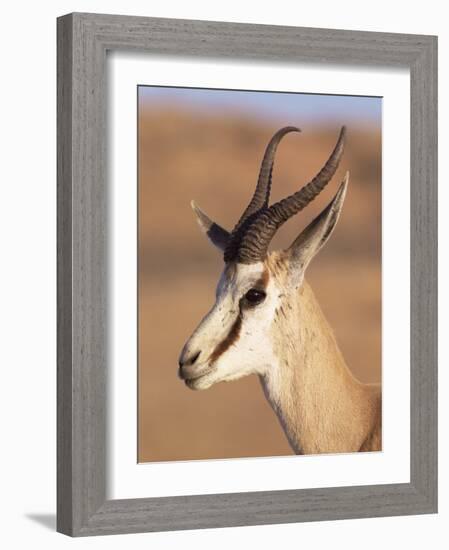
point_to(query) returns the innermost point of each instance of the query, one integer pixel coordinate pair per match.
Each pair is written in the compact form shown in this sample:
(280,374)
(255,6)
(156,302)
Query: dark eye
(254,296)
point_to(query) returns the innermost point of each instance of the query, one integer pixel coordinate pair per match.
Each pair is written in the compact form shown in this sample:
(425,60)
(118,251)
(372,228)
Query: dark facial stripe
(262,283)
(234,333)
(232,337)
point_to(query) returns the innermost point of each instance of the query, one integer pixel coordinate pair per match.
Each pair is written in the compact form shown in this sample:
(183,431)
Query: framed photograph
(247,283)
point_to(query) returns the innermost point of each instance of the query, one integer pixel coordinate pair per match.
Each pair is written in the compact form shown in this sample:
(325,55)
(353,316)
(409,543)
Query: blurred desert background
(207,146)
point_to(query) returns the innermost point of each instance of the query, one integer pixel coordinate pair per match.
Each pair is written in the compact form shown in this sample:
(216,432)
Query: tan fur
(320,404)
(322,407)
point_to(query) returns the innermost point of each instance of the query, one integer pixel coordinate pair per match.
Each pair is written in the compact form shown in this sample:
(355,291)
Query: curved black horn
(261,194)
(256,237)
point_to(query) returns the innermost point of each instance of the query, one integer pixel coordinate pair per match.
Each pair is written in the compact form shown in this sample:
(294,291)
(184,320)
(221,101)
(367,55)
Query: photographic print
(247,281)
(259,266)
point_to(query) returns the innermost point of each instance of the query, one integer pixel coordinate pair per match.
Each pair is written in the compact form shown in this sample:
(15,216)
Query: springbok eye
(254,296)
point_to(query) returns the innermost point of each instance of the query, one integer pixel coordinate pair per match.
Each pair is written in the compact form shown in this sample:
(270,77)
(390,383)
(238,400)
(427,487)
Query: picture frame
(83,42)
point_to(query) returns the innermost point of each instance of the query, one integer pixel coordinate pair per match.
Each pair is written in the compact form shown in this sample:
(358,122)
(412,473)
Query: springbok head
(234,338)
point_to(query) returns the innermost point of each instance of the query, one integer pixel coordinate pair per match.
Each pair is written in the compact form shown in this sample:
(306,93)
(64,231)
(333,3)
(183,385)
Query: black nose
(188,359)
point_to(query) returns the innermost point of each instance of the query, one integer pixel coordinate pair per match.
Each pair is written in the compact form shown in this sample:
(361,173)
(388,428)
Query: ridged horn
(256,236)
(261,194)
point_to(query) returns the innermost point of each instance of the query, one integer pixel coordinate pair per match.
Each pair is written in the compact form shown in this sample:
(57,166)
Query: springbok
(267,321)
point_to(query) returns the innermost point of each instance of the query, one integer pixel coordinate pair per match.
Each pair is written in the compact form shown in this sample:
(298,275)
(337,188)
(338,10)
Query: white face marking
(233,339)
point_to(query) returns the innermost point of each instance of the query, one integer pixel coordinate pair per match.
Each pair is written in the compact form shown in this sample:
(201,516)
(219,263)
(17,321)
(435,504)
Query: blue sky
(288,108)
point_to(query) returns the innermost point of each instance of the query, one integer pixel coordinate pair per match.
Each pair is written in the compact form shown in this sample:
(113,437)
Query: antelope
(267,321)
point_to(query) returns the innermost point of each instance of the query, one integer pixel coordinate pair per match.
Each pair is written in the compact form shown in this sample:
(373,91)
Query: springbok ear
(317,233)
(217,235)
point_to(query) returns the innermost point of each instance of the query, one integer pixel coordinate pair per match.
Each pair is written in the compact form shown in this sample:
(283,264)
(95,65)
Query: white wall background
(28,267)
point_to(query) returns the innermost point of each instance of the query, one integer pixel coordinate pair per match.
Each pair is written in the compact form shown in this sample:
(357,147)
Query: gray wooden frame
(83,40)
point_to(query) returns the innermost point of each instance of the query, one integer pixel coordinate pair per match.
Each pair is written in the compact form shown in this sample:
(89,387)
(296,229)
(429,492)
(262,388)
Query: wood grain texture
(64,278)
(83,40)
